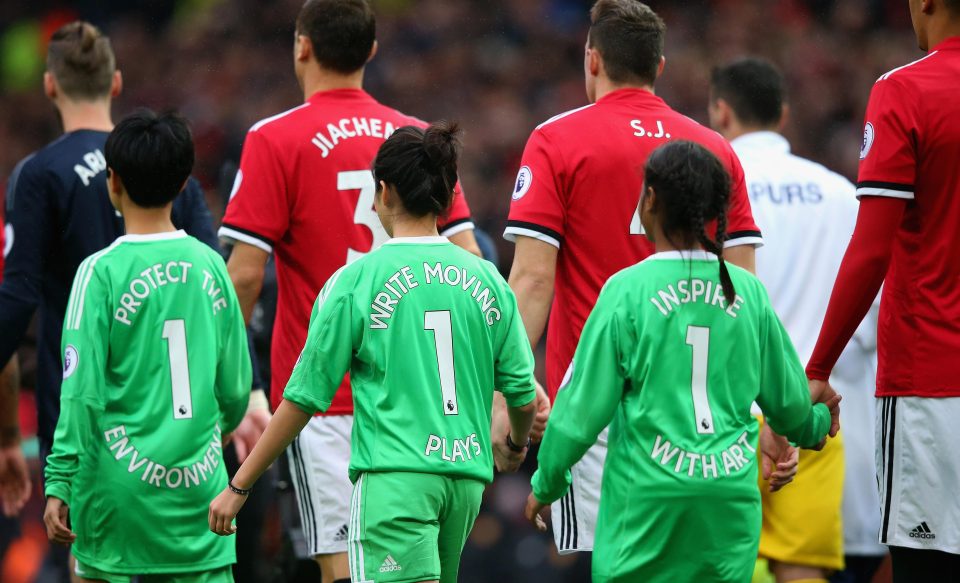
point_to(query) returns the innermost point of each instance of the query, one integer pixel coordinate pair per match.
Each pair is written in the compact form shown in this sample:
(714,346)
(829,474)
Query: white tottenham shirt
(807,214)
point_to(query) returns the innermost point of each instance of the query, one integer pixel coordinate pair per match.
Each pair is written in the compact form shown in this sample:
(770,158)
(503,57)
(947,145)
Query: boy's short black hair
(342,32)
(153,156)
(753,88)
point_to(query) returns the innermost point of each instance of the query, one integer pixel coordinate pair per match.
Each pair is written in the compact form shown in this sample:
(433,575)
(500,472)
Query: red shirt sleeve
(888,157)
(457,218)
(258,212)
(538,207)
(861,274)
(741,228)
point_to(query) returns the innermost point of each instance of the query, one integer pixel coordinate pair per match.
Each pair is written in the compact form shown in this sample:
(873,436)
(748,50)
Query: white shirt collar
(428,240)
(765,140)
(686,254)
(153,237)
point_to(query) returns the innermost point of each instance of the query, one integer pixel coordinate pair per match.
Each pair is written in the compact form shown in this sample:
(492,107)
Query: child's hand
(532,512)
(55,517)
(223,510)
(779,460)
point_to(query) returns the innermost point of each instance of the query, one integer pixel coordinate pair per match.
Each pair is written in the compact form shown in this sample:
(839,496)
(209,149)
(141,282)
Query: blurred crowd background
(500,67)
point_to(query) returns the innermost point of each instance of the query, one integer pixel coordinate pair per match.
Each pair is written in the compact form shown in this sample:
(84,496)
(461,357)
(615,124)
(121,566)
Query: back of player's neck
(607,87)
(85,115)
(317,79)
(949,29)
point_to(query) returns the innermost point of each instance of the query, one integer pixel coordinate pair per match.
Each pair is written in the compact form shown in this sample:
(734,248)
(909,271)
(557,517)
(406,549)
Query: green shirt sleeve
(587,403)
(86,333)
(784,396)
(513,368)
(233,368)
(327,354)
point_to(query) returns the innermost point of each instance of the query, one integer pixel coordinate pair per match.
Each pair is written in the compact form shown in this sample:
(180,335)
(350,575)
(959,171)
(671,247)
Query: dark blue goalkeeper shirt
(58,213)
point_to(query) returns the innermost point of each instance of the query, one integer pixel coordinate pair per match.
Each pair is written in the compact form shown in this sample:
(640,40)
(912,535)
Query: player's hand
(505,458)
(834,405)
(55,517)
(543,413)
(246,435)
(223,510)
(14,479)
(532,512)
(822,392)
(779,460)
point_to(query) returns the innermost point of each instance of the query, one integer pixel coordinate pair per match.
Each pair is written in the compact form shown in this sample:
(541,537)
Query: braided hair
(692,188)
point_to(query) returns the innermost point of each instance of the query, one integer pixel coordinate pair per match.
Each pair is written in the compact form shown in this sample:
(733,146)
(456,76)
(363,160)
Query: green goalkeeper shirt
(673,369)
(427,332)
(156,370)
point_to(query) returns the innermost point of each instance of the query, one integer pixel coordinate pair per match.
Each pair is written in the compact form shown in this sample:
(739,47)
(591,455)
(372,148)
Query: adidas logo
(922,531)
(389,565)
(342,534)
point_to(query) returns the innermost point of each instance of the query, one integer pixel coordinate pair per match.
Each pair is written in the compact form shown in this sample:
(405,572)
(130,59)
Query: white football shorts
(574,516)
(918,470)
(319,458)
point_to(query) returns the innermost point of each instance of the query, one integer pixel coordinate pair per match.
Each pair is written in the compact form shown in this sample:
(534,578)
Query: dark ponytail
(692,188)
(421,165)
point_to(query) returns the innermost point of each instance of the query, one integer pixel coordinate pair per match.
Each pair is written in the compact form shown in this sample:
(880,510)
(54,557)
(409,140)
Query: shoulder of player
(568,121)
(26,168)
(908,75)
(400,119)
(281,122)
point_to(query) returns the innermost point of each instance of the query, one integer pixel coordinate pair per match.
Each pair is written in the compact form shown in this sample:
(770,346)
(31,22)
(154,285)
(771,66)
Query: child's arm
(584,406)
(326,357)
(784,397)
(513,378)
(285,424)
(233,368)
(86,332)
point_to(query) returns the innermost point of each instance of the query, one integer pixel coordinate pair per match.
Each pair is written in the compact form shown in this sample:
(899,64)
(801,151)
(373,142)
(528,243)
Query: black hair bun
(441,143)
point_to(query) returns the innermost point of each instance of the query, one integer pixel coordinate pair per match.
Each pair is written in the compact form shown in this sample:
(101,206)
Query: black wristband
(517,448)
(236,490)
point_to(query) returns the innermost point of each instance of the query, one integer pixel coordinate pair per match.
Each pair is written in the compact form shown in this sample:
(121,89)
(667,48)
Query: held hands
(779,460)
(56,518)
(223,510)
(532,512)
(505,458)
(543,413)
(822,392)
(14,479)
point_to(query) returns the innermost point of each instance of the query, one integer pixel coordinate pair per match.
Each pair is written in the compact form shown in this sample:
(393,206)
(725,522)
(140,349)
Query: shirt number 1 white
(174,332)
(439,323)
(698,338)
